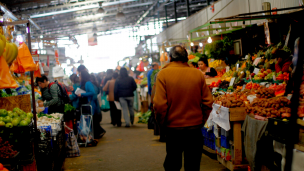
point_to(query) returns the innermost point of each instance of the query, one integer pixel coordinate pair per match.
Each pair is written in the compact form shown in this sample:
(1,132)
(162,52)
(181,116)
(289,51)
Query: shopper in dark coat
(123,92)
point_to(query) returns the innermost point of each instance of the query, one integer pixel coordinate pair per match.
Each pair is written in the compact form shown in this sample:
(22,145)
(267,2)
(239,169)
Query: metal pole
(166,16)
(188,9)
(175,13)
(208,2)
(32,77)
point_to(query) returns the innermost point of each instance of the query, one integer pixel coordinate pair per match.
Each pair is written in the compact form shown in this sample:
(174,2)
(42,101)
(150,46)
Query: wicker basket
(22,101)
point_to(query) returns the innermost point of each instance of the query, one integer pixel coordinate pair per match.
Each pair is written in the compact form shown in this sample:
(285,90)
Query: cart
(86,119)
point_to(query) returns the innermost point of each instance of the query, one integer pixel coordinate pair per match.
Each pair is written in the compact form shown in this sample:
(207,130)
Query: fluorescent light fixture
(209,40)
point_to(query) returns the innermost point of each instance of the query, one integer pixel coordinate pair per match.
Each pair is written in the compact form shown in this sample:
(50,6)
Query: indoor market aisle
(127,149)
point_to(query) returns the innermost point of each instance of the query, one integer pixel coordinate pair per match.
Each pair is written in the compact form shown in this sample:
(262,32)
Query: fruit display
(282,77)
(6,150)
(265,93)
(279,107)
(2,44)
(251,85)
(215,84)
(240,83)
(17,117)
(232,100)
(224,84)
(301,101)
(216,63)
(11,52)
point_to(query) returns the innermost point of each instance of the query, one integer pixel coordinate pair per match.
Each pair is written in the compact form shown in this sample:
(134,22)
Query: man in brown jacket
(182,104)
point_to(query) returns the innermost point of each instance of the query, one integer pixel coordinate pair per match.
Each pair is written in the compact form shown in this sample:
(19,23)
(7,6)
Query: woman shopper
(76,84)
(114,112)
(123,91)
(206,70)
(91,98)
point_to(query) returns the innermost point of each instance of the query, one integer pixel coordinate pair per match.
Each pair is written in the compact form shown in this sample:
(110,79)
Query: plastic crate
(204,132)
(224,142)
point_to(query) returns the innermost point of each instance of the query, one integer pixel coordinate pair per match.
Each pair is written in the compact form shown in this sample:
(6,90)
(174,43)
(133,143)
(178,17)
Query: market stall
(256,111)
(25,135)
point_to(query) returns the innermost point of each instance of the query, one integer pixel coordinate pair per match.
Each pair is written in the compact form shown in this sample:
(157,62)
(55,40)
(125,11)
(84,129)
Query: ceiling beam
(67,8)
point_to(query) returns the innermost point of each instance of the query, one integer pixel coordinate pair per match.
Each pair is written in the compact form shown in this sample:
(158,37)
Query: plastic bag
(105,105)
(6,80)
(58,71)
(37,73)
(26,58)
(85,133)
(16,66)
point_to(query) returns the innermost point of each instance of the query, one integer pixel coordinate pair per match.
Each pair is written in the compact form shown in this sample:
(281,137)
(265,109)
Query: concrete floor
(127,149)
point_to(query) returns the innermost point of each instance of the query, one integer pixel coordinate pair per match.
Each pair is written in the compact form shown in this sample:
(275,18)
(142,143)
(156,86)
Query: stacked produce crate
(209,138)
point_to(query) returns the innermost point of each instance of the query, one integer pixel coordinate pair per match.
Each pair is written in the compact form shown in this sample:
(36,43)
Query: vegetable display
(6,150)
(143,118)
(17,117)
(279,107)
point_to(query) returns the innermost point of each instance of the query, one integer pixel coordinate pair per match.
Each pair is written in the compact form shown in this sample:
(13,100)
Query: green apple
(10,114)
(28,120)
(15,114)
(2,123)
(23,116)
(3,112)
(1,118)
(23,123)
(9,125)
(15,122)
(29,115)
(7,119)
(17,118)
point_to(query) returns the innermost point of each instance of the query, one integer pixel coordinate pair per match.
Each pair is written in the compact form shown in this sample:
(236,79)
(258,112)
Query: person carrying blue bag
(91,97)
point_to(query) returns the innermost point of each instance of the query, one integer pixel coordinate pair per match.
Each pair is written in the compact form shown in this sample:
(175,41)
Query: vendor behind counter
(283,61)
(203,65)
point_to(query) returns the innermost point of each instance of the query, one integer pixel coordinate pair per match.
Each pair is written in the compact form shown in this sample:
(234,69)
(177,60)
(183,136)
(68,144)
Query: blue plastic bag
(105,105)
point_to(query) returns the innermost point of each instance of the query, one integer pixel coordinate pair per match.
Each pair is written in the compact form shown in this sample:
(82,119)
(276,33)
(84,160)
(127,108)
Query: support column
(166,16)
(188,8)
(175,13)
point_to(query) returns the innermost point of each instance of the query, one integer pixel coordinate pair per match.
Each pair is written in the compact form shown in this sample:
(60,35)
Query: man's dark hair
(178,53)
(74,79)
(205,60)
(115,75)
(41,79)
(81,68)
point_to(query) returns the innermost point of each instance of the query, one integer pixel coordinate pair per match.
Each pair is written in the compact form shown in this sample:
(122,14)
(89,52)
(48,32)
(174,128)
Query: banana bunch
(216,63)
(10,53)
(2,44)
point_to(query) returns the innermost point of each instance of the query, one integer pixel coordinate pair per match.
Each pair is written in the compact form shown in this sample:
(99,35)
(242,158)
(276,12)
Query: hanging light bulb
(120,15)
(191,44)
(100,10)
(200,44)
(209,40)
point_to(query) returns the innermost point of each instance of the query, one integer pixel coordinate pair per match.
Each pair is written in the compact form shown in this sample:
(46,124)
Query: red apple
(269,71)
(262,70)
(252,74)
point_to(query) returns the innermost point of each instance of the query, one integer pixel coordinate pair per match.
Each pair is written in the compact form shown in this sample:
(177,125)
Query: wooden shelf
(300,122)
(209,150)
(229,165)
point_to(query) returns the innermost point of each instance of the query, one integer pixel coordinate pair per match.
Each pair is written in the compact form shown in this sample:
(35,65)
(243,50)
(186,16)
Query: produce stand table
(210,80)
(236,117)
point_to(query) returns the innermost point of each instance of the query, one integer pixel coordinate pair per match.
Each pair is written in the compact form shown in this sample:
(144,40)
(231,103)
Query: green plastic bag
(105,105)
